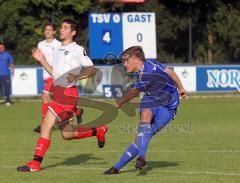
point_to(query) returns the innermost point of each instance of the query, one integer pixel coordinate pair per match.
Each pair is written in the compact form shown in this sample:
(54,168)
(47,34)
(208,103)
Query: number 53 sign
(114,32)
(115,91)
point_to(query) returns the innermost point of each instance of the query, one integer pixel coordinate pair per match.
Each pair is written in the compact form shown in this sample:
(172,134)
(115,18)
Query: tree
(215,26)
(21,24)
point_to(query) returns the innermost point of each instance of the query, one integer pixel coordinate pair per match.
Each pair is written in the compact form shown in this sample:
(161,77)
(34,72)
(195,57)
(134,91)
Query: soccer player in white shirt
(67,57)
(47,47)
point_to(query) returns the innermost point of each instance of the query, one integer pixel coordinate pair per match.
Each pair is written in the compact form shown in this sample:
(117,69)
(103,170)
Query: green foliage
(226,27)
(22,22)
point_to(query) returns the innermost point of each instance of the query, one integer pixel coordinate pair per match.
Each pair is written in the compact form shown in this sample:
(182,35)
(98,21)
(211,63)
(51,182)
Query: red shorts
(64,103)
(48,86)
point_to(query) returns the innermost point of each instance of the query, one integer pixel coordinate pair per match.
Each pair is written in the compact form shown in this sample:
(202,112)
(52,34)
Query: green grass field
(200,145)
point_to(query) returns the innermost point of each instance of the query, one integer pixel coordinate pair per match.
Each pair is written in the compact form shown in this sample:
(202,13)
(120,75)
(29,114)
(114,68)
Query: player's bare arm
(175,78)
(38,55)
(130,95)
(87,73)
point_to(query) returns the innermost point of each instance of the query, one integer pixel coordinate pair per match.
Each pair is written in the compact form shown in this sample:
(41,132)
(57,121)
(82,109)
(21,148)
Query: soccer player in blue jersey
(161,87)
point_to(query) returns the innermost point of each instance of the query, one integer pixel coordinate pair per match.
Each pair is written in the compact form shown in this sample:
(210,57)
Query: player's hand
(72,78)
(37,54)
(183,93)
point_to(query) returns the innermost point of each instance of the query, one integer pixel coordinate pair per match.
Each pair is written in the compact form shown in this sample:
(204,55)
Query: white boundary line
(199,172)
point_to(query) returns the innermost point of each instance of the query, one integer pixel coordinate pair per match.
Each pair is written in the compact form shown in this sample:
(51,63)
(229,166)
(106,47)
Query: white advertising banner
(24,82)
(187,75)
(140,29)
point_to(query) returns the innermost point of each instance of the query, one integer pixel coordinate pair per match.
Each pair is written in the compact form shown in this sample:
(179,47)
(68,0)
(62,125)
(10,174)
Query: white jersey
(48,49)
(69,57)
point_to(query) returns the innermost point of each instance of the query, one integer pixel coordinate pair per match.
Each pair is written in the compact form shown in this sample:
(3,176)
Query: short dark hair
(73,25)
(50,24)
(134,51)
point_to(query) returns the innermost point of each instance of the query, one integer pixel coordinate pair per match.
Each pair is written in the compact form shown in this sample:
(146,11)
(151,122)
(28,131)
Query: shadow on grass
(81,159)
(153,165)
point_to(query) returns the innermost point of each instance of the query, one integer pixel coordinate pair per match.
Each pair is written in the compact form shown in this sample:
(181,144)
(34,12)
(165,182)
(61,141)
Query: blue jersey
(159,88)
(5,60)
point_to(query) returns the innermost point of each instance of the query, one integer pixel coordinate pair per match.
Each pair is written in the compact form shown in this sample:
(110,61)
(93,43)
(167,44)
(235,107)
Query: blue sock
(144,136)
(130,153)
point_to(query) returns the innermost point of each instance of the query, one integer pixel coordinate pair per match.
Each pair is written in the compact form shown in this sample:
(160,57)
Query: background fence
(28,81)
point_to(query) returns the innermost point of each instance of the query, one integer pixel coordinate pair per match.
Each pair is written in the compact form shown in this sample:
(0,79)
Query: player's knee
(146,115)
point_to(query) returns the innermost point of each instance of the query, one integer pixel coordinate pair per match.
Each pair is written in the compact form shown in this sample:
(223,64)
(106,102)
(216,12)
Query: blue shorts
(161,117)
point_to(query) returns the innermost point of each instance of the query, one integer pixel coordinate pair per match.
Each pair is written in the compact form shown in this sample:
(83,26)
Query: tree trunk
(210,43)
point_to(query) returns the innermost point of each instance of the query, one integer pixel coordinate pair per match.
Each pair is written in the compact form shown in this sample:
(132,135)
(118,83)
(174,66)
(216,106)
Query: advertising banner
(24,82)
(187,75)
(218,78)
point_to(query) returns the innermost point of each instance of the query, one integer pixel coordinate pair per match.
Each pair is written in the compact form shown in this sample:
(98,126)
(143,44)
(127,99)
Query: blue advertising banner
(218,78)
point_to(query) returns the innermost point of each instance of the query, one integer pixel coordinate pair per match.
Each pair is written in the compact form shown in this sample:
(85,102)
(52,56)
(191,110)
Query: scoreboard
(111,33)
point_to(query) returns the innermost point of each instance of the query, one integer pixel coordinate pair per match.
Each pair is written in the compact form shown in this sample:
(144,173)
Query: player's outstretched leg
(130,153)
(69,132)
(42,145)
